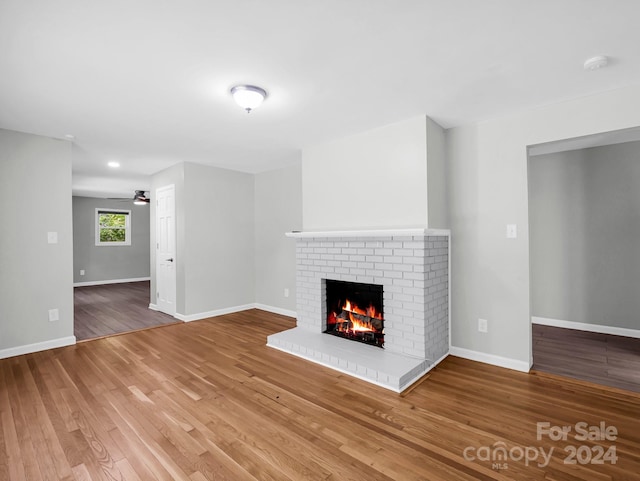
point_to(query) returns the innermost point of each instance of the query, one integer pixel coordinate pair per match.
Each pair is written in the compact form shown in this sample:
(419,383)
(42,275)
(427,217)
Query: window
(113,227)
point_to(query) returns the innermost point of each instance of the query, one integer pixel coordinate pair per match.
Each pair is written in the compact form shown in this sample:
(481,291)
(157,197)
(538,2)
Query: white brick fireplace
(411,265)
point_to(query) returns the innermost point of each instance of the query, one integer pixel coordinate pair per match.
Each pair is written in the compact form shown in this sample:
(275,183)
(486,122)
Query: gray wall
(584,218)
(487,189)
(103,263)
(219,238)
(437,215)
(173,175)
(278,209)
(35,195)
(215,237)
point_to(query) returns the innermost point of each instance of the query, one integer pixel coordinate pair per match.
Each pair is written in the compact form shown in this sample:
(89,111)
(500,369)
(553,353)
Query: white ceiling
(147,82)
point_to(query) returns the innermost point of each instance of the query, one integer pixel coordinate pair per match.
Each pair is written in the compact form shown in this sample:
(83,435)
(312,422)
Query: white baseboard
(228,310)
(214,313)
(492,359)
(581,326)
(38,346)
(153,307)
(111,281)
(275,310)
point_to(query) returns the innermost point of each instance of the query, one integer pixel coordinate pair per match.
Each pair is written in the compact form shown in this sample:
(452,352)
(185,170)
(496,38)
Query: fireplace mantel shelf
(368,233)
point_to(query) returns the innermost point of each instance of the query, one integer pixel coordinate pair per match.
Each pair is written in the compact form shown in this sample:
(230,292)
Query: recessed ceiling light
(595,63)
(113,164)
(248,97)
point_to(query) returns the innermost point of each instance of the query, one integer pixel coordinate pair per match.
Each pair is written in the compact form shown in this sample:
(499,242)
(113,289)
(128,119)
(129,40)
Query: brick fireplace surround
(412,265)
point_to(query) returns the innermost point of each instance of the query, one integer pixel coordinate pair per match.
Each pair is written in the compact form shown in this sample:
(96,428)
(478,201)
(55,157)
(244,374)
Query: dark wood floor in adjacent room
(114,308)
(209,400)
(600,358)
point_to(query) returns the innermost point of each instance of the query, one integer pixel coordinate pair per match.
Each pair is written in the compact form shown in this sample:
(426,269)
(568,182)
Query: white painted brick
(384,252)
(413,245)
(412,275)
(403,267)
(393,259)
(373,244)
(365,251)
(403,252)
(373,272)
(357,272)
(412,260)
(393,275)
(383,266)
(365,279)
(402,282)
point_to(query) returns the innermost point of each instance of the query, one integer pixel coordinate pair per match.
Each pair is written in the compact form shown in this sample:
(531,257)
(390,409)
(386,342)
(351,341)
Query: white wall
(102,263)
(487,189)
(584,208)
(278,209)
(35,195)
(375,179)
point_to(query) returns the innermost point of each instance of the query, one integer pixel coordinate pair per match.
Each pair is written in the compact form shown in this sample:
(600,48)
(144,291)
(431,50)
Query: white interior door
(166,249)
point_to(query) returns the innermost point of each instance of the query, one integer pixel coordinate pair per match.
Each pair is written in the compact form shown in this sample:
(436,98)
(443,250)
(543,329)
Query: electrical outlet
(54,315)
(82,272)
(483,325)
(286,292)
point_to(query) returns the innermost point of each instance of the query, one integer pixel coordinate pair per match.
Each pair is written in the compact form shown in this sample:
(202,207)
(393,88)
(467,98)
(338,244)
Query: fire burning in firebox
(353,322)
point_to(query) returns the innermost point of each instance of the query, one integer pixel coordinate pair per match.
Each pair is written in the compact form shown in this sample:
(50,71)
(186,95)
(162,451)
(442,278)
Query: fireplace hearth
(354,311)
(407,269)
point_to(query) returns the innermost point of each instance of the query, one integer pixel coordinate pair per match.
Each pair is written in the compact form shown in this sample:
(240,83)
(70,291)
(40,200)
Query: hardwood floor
(208,400)
(114,308)
(600,358)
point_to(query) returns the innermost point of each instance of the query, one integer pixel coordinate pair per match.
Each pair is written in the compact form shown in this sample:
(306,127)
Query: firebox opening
(354,311)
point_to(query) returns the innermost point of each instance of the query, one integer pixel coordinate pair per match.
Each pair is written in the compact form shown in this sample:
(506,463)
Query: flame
(369,311)
(355,325)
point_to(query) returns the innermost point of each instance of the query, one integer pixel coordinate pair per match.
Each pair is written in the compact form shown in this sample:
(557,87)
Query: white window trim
(127,227)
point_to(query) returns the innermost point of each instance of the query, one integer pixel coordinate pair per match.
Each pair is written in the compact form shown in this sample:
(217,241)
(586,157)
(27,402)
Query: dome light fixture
(248,97)
(595,63)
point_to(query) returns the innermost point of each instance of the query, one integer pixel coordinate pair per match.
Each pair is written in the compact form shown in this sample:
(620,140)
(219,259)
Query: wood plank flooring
(208,400)
(600,358)
(114,308)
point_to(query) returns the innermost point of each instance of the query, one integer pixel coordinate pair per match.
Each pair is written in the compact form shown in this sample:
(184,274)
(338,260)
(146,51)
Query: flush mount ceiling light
(595,63)
(248,97)
(113,164)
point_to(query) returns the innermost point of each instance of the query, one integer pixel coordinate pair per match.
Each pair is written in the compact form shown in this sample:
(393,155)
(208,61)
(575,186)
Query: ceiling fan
(139,198)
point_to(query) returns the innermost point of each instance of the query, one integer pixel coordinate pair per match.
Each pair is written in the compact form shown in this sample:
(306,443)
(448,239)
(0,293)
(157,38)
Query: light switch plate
(52,237)
(512,231)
